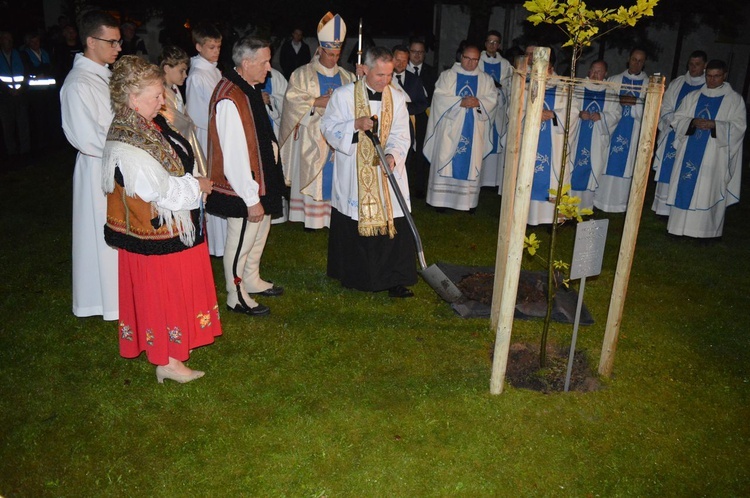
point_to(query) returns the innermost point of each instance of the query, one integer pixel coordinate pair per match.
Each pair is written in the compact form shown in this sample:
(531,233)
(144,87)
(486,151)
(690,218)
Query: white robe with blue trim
(720,172)
(444,133)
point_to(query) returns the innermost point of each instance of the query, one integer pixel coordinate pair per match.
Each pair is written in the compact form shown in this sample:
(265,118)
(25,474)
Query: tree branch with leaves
(581,26)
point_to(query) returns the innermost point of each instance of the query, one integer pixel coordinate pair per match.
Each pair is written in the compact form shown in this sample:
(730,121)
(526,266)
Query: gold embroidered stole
(375,209)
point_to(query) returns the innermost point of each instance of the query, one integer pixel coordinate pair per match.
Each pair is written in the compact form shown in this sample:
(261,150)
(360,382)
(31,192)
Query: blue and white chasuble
(466,86)
(327,85)
(669,155)
(707,108)
(493,69)
(593,102)
(543,165)
(620,147)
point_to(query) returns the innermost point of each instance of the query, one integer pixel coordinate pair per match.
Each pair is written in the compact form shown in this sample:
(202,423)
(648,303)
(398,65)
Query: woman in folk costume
(306,157)
(174,62)
(168,303)
(458,133)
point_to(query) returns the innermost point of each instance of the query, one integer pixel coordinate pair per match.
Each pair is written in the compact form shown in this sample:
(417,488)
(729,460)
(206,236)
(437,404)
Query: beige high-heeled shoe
(167,373)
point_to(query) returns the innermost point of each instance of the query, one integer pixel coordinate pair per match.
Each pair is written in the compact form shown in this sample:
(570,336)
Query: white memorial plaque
(588,251)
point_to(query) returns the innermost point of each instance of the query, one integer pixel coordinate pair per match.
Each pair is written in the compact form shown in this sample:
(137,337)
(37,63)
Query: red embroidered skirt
(168,304)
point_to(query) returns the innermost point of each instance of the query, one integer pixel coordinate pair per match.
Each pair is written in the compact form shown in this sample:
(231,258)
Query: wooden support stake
(512,148)
(644,154)
(520,215)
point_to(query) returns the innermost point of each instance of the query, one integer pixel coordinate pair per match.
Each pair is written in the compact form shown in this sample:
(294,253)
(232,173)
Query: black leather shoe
(400,291)
(272,292)
(259,310)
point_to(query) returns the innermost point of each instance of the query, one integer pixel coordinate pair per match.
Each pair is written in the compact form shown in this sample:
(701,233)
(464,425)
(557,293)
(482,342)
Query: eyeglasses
(331,54)
(469,59)
(112,43)
(416,52)
(492,42)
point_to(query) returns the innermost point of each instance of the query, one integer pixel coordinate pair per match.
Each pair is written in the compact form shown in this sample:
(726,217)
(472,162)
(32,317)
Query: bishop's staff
(359,48)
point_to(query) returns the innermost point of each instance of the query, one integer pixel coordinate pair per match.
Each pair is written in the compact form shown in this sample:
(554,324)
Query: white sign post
(588,253)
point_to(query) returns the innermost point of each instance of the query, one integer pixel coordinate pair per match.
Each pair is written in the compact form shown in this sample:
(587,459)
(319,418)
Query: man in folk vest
(244,164)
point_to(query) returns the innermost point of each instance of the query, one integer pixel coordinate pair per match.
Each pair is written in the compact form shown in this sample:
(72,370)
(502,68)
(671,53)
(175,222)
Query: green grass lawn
(342,393)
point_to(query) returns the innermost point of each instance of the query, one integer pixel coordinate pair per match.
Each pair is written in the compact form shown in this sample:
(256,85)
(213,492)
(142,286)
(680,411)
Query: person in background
(614,184)
(44,110)
(14,101)
(417,65)
(592,120)
(64,53)
(693,80)
(167,302)
(294,53)
(548,164)
(132,43)
(458,133)
(417,104)
(492,63)
(709,127)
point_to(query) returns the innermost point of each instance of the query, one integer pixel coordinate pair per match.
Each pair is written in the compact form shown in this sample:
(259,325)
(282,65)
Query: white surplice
(86,116)
(200,85)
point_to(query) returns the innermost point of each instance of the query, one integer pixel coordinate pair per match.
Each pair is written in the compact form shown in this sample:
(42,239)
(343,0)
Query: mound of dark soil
(523,370)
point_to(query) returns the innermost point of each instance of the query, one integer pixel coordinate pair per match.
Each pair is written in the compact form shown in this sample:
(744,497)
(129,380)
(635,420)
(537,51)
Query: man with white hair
(306,156)
(370,247)
(244,165)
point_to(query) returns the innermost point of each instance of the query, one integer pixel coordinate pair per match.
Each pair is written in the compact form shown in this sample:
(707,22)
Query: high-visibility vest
(12,73)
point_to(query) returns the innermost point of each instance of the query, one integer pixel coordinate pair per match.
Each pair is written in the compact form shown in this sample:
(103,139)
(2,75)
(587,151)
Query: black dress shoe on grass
(259,310)
(272,292)
(400,291)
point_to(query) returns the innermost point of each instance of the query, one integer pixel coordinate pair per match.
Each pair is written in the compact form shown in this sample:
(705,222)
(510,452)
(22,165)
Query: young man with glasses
(458,133)
(86,116)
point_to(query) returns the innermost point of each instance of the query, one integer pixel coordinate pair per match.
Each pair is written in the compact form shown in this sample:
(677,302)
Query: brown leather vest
(225,89)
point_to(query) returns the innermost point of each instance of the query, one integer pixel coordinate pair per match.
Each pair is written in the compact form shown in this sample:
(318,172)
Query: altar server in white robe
(501,71)
(202,80)
(86,116)
(458,133)
(594,114)
(665,155)
(709,129)
(370,247)
(614,185)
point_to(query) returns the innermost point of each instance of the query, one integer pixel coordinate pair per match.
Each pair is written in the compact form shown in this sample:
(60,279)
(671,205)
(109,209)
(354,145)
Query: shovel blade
(444,287)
